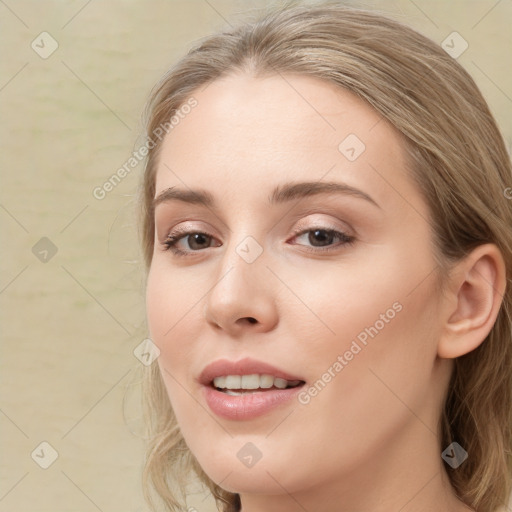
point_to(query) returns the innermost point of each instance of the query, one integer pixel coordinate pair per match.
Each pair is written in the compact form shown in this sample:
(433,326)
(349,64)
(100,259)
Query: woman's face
(334,288)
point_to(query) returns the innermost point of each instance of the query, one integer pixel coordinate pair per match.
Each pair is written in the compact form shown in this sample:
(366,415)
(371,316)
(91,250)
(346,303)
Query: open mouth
(236,385)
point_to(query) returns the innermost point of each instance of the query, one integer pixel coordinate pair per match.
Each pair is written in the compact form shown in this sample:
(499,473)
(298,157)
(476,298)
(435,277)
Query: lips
(246,389)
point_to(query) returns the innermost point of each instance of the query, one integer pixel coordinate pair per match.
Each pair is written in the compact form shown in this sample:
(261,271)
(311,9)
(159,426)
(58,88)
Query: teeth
(250,381)
(233,382)
(254,381)
(219,382)
(266,381)
(280,383)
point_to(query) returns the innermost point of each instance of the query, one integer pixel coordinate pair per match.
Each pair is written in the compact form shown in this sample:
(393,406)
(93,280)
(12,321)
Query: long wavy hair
(459,162)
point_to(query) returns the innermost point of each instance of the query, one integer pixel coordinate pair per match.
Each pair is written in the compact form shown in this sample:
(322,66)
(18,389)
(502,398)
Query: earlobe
(476,293)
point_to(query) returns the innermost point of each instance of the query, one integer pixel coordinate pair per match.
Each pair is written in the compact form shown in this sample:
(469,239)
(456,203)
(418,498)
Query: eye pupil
(199,238)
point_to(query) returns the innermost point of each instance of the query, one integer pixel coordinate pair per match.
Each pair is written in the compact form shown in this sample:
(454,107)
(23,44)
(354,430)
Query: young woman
(326,226)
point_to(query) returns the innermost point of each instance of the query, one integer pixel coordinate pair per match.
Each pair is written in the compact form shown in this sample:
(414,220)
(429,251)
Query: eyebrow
(281,194)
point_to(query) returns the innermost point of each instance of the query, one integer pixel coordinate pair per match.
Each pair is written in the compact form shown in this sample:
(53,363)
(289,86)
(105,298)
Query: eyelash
(173,238)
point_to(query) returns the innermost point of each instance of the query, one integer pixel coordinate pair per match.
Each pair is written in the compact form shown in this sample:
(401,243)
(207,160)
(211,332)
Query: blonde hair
(460,163)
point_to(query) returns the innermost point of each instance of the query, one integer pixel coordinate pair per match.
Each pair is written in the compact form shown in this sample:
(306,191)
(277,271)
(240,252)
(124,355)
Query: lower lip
(248,405)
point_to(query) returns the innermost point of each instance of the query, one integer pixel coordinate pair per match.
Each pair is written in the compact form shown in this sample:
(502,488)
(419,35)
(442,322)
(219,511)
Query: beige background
(70,324)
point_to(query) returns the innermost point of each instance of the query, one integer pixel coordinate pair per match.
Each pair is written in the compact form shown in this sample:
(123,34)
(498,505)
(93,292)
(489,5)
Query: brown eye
(323,238)
(195,241)
(198,240)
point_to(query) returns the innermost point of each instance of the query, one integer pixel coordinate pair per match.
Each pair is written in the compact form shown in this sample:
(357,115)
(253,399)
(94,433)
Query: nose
(243,298)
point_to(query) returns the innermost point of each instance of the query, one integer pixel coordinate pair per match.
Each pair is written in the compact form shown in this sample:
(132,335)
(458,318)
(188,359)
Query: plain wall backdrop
(71,289)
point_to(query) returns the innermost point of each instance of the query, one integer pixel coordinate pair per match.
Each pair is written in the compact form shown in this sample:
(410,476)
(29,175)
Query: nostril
(252,320)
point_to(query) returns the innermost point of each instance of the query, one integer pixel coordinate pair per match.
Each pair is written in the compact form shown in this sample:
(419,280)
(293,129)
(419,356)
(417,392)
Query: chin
(233,475)
(246,481)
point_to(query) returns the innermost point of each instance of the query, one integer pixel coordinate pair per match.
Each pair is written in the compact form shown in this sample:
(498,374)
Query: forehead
(278,112)
(247,135)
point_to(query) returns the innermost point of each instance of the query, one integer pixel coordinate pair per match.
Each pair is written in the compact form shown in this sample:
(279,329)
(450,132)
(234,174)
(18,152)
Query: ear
(472,301)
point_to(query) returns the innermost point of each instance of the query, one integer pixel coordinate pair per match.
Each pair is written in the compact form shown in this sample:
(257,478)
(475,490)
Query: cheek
(156,301)
(171,315)
(381,357)
(173,310)
(372,347)
(171,299)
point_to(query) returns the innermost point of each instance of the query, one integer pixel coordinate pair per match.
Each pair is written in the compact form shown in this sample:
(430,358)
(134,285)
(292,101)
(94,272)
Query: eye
(322,238)
(196,241)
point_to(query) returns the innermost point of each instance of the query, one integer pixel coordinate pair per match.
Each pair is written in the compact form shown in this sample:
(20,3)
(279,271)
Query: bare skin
(368,440)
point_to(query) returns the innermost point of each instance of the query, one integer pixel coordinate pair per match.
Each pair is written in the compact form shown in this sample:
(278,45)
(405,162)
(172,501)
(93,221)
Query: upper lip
(247,366)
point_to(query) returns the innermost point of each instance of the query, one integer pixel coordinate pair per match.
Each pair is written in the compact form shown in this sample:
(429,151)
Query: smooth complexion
(369,439)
